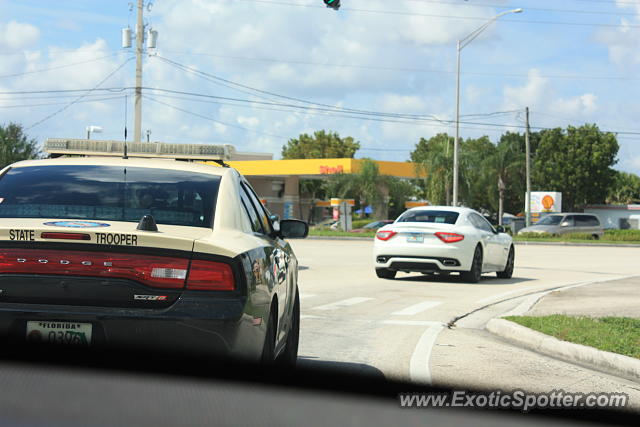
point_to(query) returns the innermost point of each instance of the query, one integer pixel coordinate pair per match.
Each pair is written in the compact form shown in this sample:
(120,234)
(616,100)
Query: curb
(589,357)
(605,245)
(600,245)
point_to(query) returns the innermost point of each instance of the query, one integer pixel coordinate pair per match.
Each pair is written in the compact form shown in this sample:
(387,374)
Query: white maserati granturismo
(441,240)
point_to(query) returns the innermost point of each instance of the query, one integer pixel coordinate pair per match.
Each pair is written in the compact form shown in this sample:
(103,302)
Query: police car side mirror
(500,229)
(293,229)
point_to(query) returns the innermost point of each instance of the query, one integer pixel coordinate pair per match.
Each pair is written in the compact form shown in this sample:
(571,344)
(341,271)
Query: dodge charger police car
(146,253)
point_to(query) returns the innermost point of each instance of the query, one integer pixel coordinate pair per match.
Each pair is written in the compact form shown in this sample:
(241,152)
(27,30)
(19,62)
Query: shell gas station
(277,182)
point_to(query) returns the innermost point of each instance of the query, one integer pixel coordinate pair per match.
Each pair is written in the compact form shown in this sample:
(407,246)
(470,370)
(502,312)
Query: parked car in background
(565,223)
(372,226)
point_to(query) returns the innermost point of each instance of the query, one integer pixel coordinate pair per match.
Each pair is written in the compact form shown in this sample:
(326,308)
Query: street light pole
(462,43)
(456,147)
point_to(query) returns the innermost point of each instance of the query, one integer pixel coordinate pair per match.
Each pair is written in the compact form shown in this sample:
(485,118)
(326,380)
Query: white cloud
(538,93)
(17,35)
(529,94)
(248,121)
(403,103)
(622,42)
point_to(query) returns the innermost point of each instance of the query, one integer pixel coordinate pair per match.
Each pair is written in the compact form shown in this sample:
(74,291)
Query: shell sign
(546,201)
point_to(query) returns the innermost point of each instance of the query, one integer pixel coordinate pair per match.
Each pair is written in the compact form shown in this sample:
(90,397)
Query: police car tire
(289,356)
(268,349)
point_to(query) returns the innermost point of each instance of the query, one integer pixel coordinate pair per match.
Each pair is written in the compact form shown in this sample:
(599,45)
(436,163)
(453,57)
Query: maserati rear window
(109,193)
(444,217)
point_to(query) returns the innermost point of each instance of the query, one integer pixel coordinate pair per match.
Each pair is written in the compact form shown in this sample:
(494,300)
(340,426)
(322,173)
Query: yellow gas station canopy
(318,168)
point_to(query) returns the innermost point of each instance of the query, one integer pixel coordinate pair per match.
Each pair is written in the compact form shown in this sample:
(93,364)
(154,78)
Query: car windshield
(550,220)
(443,217)
(109,193)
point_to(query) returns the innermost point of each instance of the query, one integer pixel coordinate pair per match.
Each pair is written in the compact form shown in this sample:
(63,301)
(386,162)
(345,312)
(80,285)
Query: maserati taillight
(449,237)
(385,234)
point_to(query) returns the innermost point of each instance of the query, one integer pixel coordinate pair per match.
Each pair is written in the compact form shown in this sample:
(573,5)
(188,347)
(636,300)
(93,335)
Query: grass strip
(614,334)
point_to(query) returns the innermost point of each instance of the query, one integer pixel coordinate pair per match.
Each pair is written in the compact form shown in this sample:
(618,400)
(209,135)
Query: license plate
(70,333)
(415,238)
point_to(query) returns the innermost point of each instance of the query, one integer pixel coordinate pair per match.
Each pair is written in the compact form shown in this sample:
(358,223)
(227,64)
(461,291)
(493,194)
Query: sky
(255,73)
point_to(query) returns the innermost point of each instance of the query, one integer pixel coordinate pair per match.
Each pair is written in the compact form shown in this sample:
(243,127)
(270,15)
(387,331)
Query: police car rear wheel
(268,349)
(289,356)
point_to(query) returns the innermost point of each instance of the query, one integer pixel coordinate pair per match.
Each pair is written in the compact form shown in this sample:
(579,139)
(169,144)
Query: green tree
(434,160)
(504,167)
(476,179)
(368,186)
(322,145)
(578,162)
(625,188)
(15,145)
(400,191)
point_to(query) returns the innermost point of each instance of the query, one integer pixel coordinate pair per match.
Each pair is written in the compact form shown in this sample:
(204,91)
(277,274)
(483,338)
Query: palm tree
(434,159)
(504,165)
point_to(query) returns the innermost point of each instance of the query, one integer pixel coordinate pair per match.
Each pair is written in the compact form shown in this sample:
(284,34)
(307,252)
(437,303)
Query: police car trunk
(106,232)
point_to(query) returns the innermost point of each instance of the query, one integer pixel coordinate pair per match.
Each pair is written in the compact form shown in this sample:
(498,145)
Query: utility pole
(456,143)
(137,124)
(527,147)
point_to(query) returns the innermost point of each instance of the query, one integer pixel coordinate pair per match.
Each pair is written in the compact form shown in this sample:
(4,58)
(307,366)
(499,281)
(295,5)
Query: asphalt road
(353,320)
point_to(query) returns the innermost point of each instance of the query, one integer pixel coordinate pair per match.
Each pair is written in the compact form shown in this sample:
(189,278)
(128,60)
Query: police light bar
(57,147)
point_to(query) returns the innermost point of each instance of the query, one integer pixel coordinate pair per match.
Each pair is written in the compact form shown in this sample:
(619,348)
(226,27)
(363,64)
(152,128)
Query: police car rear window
(443,217)
(109,193)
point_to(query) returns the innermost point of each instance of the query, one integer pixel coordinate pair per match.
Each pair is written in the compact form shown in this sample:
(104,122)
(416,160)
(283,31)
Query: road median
(589,357)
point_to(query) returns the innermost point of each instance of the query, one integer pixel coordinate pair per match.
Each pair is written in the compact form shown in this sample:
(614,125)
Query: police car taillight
(169,273)
(210,276)
(153,271)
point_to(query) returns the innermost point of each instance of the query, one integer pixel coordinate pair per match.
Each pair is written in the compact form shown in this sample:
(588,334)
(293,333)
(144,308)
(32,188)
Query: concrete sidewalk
(617,298)
(620,298)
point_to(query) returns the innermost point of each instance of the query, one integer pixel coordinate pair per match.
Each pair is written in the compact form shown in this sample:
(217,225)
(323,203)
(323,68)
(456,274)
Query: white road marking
(419,366)
(305,296)
(410,322)
(344,303)
(416,308)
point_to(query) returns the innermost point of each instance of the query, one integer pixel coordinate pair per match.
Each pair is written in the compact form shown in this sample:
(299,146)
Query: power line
(46,104)
(29,92)
(226,83)
(404,69)
(212,119)
(42,70)
(429,15)
(502,6)
(376,116)
(44,119)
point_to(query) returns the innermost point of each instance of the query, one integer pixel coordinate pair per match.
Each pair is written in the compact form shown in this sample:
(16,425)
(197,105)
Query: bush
(359,223)
(622,235)
(532,235)
(577,236)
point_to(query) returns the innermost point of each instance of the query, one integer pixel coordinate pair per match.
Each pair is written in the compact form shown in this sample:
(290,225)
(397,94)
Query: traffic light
(333,4)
